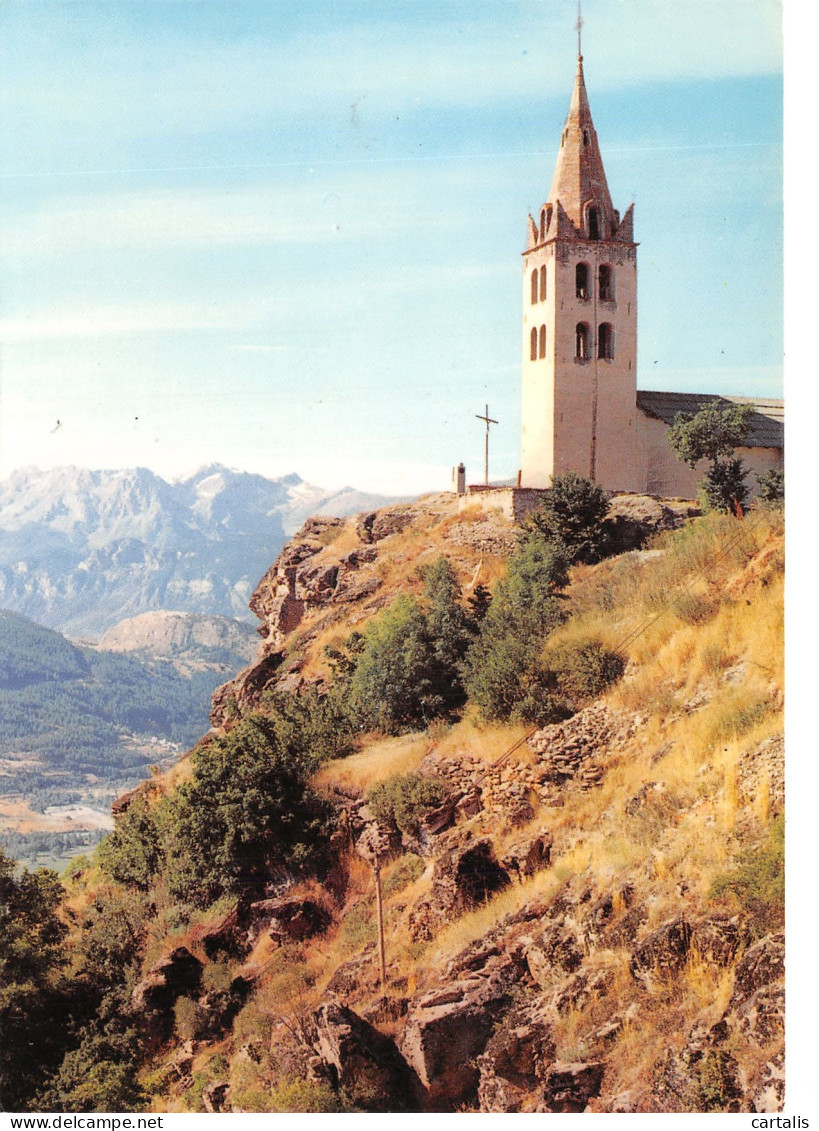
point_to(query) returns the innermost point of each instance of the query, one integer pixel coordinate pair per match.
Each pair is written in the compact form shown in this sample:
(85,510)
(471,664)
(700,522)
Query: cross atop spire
(578,28)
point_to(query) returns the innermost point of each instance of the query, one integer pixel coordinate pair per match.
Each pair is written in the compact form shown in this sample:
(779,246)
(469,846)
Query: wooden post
(380,913)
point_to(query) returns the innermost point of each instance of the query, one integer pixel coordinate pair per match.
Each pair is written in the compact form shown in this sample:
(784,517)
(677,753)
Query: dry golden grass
(380,760)
(485,740)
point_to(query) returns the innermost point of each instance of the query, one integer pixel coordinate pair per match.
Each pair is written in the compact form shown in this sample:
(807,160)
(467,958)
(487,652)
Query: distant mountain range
(81,550)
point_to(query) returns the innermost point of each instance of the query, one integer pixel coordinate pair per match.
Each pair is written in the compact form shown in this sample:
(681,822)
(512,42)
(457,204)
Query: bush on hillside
(403,801)
(246,812)
(32,957)
(757,882)
(405,669)
(503,674)
(311,721)
(571,518)
(132,853)
(583,670)
(723,487)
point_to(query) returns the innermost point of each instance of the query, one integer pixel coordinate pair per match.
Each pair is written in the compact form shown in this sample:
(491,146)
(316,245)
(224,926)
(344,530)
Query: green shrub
(571,517)
(713,434)
(403,800)
(502,669)
(584,670)
(132,854)
(247,810)
(771,488)
(405,669)
(32,956)
(723,487)
(757,882)
(306,1096)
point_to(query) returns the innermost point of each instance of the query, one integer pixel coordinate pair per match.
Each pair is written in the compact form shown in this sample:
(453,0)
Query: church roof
(767,419)
(579,174)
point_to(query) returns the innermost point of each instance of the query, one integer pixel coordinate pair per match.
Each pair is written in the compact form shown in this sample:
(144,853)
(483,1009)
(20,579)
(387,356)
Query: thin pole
(380,913)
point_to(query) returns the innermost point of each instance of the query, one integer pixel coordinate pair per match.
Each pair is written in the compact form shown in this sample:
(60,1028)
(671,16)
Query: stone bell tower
(580,322)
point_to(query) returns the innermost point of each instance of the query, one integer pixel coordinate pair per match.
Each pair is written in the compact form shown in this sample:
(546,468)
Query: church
(582,410)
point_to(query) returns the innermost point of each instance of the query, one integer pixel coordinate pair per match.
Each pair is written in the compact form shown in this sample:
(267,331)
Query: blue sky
(286,236)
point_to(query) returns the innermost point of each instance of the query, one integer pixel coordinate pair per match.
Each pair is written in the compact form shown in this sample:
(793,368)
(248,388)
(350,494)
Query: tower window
(543,283)
(581,337)
(534,287)
(581,280)
(542,342)
(605,340)
(605,285)
(533,344)
(594,224)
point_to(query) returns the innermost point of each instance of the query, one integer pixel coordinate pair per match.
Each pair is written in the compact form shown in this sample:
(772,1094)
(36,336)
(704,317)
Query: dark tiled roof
(767,420)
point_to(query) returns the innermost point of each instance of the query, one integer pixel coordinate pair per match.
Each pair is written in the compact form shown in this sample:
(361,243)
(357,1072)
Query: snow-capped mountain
(81,550)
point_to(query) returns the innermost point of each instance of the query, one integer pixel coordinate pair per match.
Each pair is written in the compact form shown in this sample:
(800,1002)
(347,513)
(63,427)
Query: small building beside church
(582,410)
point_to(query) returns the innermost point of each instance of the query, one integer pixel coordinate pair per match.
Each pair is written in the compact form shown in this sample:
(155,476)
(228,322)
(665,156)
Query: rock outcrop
(363,1064)
(154,996)
(466,873)
(446,1029)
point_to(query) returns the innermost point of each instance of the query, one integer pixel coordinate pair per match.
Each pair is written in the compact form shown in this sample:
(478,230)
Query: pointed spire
(579,177)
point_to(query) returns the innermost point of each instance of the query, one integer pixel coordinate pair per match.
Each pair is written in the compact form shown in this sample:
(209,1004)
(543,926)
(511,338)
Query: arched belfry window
(605,340)
(595,232)
(533,344)
(543,283)
(542,342)
(605,283)
(581,338)
(534,286)
(581,280)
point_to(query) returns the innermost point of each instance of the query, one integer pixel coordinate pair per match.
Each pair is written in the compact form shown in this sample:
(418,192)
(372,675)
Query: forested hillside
(79,725)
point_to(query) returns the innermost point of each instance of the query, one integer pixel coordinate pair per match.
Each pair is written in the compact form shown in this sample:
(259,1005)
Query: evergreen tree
(448,633)
(571,518)
(479,603)
(502,670)
(246,812)
(771,488)
(392,682)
